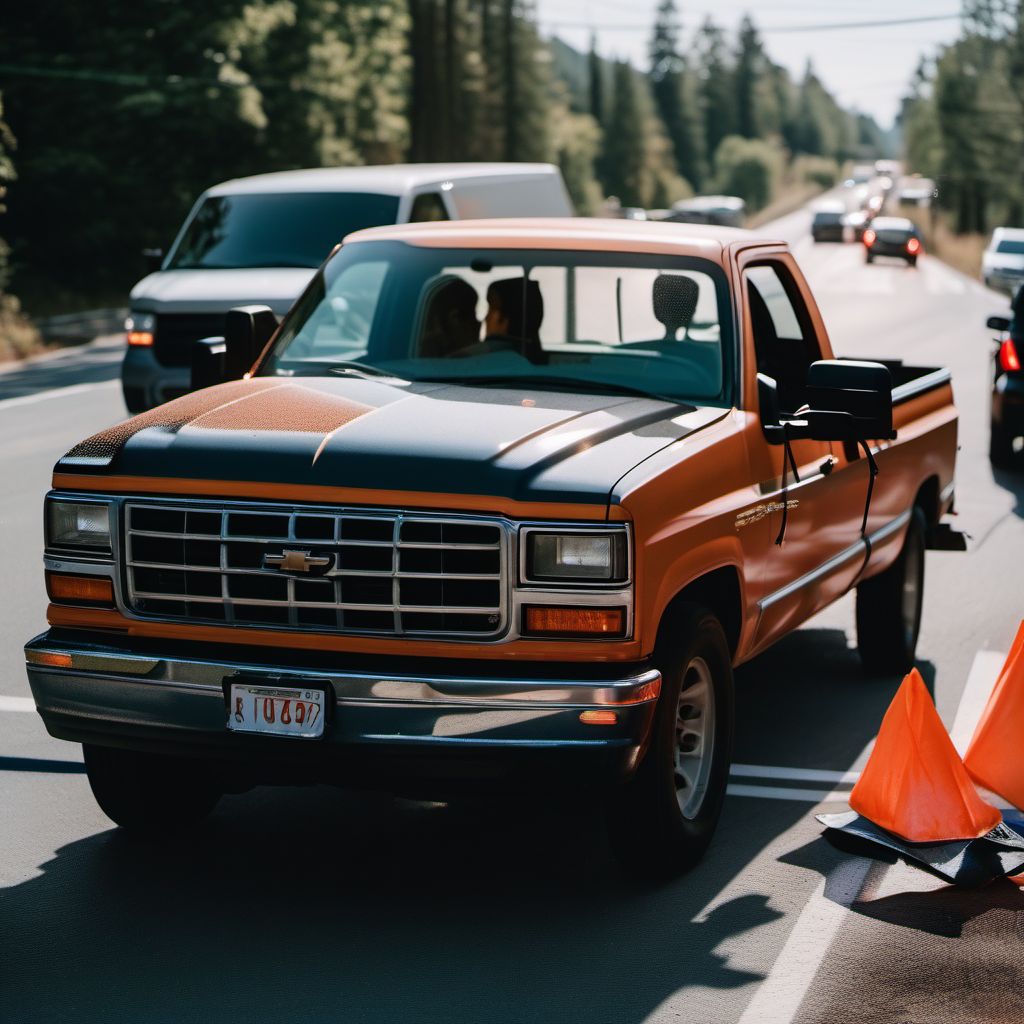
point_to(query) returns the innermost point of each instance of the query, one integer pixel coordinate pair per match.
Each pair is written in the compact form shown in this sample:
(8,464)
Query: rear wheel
(889,606)
(912,261)
(1000,446)
(149,792)
(661,821)
(869,258)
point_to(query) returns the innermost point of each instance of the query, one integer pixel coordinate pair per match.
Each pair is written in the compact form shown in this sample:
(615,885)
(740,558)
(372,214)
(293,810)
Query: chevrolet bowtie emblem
(296,561)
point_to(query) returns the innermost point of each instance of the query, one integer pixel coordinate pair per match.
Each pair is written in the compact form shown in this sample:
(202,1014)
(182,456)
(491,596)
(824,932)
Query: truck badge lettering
(759,512)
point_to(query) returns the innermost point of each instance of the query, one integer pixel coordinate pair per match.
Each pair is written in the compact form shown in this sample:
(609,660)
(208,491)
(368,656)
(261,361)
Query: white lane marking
(984,672)
(71,389)
(17,704)
(764,771)
(811,796)
(778,998)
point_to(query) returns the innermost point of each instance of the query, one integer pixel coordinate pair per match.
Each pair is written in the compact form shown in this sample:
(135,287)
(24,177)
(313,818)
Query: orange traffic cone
(914,783)
(993,758)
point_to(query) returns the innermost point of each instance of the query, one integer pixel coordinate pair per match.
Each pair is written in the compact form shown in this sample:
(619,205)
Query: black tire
(1000,447)
(869,258)
(653,830)
(912,262)
(149,792)
(889,606)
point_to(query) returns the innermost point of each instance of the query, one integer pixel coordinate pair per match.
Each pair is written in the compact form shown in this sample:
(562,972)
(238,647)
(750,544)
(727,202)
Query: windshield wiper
(353,368)
(542,381)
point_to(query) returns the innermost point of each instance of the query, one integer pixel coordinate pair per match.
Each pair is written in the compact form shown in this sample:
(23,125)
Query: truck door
(814,555)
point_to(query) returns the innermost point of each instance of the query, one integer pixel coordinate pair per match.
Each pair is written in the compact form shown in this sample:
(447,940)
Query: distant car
(857,222)
(892,236)
(261,239)
(1007,390)
(1002,264)
(915,191)
(827,225)
(726,211)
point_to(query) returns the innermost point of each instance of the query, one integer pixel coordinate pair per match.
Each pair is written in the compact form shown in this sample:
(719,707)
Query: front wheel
(889,606)
(149,792)
(662,820)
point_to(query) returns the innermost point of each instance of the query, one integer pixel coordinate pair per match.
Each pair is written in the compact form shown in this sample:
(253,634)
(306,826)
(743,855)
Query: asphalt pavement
(321,905)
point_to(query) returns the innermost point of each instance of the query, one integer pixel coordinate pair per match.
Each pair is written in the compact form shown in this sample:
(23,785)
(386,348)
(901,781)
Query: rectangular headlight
(73,524)
(591,556)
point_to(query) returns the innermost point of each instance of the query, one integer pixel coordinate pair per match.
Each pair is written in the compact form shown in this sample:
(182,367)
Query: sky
(865,68)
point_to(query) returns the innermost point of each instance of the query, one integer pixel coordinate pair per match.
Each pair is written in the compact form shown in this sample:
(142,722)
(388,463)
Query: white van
(259,240)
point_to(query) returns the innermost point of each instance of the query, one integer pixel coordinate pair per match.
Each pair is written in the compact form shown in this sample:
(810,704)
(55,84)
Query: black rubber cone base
(966,862)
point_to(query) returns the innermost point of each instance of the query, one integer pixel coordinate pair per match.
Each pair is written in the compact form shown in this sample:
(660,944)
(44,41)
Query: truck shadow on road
(315,904)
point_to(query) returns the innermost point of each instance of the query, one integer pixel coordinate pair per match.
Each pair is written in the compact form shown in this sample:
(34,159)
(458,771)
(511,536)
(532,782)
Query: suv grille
(175,333)
(351,571)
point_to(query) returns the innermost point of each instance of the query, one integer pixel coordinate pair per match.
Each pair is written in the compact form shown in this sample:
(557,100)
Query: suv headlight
(78,524)
(584,556)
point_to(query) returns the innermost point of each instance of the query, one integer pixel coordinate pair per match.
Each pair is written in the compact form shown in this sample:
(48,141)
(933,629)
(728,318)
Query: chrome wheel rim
(694,737)
(910,604)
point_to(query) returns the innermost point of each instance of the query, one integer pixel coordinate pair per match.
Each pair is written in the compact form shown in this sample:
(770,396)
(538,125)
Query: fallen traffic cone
(914,784)
(993,758)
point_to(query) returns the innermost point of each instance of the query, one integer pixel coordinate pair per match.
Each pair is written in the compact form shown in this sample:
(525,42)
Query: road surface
(325,906)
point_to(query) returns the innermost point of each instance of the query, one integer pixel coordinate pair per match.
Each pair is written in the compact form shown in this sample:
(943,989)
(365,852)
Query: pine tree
(750,67)
(624,139)
(595,69)
(716,86)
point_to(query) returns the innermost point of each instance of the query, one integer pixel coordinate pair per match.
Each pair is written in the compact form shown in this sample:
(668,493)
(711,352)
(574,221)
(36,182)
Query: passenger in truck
(515,311)
(451,324)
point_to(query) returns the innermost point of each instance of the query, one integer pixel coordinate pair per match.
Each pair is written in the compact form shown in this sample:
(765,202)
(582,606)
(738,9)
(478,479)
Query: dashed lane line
(778,998)
(71,389)
(17,704)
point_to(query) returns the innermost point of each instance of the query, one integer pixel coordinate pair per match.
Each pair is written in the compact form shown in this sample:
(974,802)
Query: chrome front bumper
(95,693)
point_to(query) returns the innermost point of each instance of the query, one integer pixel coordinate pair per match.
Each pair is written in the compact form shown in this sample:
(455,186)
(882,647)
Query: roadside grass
(962,252)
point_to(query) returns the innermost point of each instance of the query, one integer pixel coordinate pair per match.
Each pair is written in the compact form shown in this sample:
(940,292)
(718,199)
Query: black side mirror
(848,401)
(154,259)
(208,363)
(247,329)
(998,322)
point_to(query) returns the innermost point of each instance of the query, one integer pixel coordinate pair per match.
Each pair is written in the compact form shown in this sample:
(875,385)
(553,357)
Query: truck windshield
(282,229)
(1012,245)
(567,320)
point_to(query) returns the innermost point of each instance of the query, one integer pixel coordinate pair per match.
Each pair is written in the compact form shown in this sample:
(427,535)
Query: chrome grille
(365,572)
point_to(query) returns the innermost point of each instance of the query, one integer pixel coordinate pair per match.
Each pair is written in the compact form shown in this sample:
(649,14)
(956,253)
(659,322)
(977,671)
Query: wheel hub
(695,737)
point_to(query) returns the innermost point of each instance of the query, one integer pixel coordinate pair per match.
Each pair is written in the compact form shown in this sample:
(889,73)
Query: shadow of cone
(914,784)
(993,758)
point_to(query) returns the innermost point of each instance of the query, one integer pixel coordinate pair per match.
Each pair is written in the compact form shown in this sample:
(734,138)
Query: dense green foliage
(125,114)
(963,122)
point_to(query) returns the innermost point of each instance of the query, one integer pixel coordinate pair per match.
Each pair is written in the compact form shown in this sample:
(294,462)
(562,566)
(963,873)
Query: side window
(784,338)
(428,206)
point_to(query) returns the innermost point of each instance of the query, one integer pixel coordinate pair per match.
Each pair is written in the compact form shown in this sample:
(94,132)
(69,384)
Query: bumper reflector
(52,659)
(544,620)
(599,718)
(80,589)
(140,339)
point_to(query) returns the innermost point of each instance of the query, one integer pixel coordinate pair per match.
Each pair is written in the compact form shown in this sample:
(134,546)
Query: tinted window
(428,206)
(1009,245)
(828,217)
(276,229)
(656,323)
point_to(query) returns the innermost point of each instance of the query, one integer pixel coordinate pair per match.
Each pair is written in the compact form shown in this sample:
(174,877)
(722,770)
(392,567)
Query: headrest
(675,301)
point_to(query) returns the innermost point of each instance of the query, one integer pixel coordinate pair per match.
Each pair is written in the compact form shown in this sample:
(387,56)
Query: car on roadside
(892,236)
(828,221)
(498,506)
(261,239)
(726,211)
(1002,263)
(1007,410)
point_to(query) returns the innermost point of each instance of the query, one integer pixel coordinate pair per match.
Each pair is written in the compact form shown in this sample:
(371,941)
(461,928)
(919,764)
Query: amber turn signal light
(80,589)
(51,659)
(545,620)
(599,717)
(140,338)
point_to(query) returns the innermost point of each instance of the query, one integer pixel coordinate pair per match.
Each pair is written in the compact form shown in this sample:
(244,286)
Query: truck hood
(216,291)
(521,444)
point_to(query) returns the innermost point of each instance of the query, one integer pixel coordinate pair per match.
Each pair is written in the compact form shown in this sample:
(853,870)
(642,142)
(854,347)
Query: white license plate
(276,711)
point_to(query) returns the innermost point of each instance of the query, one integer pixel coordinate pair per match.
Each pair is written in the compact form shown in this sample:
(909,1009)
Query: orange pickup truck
(498,503)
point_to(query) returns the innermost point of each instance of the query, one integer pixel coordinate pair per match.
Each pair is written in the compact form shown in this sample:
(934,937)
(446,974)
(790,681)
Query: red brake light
(913,246)
(1009,360)
(869,238)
